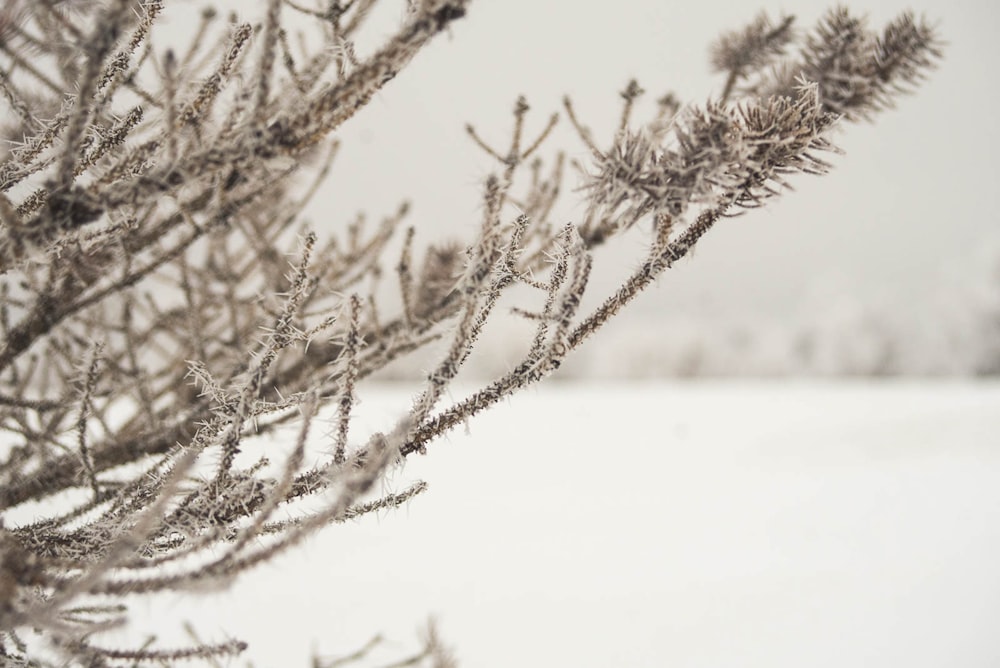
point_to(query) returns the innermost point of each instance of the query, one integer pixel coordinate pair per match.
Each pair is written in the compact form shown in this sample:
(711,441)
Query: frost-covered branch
(165,314)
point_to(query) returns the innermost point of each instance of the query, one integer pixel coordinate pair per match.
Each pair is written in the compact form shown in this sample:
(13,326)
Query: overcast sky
(909,202)
(910,199)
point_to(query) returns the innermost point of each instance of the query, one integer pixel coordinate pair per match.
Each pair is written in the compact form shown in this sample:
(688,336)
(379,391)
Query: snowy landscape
(783,453)
(662,524)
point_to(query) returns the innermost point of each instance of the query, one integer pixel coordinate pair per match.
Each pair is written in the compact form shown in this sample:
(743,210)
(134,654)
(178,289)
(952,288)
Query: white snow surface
(683,524)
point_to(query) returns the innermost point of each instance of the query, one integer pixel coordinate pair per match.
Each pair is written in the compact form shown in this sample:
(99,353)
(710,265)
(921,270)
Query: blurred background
(889,265)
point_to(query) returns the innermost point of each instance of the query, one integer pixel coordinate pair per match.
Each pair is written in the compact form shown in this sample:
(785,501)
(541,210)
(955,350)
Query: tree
(154,335)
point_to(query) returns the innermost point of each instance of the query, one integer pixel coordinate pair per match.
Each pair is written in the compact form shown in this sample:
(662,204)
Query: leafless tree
(155,333)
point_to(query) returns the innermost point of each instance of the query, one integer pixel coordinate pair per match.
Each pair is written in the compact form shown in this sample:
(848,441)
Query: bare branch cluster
(165,314)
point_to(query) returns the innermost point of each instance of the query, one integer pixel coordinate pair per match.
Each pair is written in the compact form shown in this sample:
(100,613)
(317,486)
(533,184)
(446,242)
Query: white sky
(910,199)
(905,216)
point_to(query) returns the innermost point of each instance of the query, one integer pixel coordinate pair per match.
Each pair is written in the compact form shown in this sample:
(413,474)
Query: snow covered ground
(683,525)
